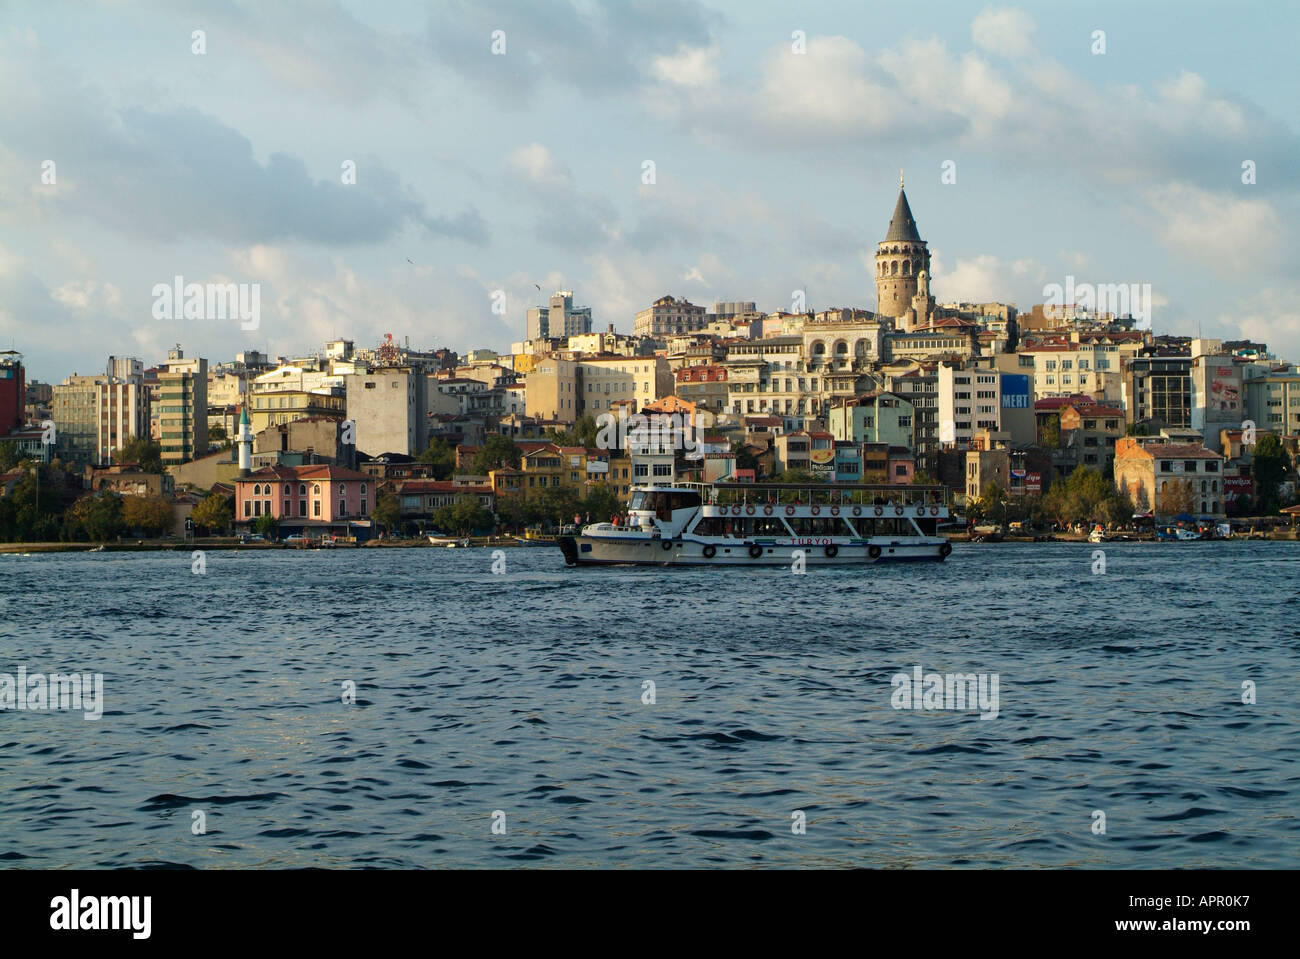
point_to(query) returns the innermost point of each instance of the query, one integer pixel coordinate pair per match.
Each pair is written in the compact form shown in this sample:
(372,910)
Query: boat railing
(829,495)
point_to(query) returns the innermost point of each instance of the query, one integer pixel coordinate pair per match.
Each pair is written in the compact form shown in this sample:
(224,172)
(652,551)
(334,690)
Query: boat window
(638,500)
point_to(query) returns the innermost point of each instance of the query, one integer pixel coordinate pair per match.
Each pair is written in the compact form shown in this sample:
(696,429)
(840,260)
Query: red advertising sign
(1234,486)
(1033,483)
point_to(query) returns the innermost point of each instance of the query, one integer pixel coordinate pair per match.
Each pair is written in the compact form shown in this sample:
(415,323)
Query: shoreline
(155,546)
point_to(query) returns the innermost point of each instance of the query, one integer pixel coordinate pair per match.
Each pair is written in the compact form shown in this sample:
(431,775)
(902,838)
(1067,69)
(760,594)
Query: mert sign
(1015,391)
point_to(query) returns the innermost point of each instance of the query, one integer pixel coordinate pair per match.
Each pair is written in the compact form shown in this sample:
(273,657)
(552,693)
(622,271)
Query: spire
(900,179)
(901,226)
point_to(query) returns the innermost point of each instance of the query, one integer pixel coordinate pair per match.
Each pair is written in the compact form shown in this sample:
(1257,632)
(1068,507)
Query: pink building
(306,498)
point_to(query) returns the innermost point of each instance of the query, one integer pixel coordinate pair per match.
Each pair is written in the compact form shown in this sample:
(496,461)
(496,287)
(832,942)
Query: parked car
(295,538)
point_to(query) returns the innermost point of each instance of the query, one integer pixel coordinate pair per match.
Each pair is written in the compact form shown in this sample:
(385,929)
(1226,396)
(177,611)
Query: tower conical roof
(901,226)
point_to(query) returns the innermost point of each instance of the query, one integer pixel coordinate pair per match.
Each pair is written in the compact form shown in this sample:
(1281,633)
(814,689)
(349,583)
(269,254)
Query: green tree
(214,513)
(388,511)
(1269,468)
(8,455)
(496,453)
(98,516)
(266,524)
(514,512)
(1049,431)
(142,450)
(745,460)
(582,433)
(600,503)
(441,455)
(464,517)
(149,514)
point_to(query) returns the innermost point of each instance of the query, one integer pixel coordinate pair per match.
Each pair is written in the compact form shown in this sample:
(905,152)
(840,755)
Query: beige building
(1150,468)
(183,408)
(553,390)
(669,316)
(605,380)
(95,416)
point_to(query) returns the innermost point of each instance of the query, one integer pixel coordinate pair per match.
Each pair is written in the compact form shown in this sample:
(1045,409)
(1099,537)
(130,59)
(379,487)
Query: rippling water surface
(522,693)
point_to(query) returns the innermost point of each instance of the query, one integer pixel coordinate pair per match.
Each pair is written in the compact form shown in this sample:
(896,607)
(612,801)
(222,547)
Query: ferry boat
(765,524)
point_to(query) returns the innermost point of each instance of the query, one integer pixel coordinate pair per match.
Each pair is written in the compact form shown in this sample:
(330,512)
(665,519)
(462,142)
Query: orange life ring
(767,511)
(879,511)
(789,511)
(816,510)
(934,511)
(898,511)
(920,511)
(857,511)
(835,511)
(735,510)
(749,510)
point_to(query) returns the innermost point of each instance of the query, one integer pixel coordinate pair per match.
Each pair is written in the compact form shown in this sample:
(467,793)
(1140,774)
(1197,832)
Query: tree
(1269,467)
(496,453)
(98,516)
(214,513)
(555,505)
(745,460)
(149,514)
(600,503)
(1177,497)
(442,456)
(463,517)
(583,433)
(145,452)
(8,455)
(266,524)
(1050,431)
(388,510)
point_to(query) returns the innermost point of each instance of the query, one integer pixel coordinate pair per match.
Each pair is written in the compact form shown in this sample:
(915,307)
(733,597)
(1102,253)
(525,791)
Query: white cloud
(1004,32)
(689,66)
(983,279)
(537,164)
(1228,234)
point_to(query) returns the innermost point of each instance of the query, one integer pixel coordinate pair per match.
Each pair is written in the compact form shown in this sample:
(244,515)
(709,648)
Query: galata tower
(900,258)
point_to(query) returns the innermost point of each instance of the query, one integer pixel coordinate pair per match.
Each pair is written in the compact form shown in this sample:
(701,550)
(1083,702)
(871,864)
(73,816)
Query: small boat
(448,541)
(1176,534)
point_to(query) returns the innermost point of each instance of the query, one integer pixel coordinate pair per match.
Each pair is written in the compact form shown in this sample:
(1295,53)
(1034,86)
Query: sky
(776,132)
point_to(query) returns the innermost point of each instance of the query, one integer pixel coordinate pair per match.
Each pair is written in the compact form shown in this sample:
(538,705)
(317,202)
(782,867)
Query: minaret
(901,257)
(245,440)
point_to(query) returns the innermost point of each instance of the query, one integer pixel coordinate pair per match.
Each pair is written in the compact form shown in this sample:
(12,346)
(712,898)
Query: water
(522,693)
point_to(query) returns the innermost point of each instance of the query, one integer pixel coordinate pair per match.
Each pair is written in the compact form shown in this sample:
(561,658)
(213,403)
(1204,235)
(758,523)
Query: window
(315,508)
(288,507)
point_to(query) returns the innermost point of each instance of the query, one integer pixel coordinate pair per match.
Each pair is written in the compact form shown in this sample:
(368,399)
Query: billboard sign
(1015,391)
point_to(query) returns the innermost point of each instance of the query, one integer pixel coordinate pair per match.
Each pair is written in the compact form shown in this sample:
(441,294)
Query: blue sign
(1015,391)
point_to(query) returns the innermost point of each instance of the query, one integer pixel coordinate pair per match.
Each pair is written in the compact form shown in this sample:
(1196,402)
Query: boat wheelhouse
(755,524)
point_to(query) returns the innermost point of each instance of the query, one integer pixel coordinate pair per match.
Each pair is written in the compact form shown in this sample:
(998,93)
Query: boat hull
(689,551)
